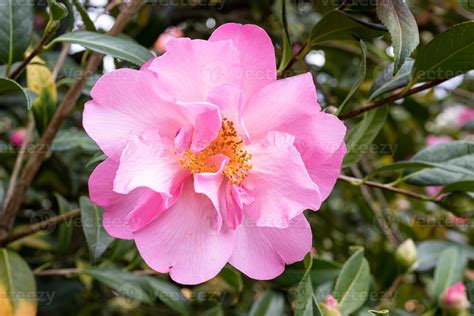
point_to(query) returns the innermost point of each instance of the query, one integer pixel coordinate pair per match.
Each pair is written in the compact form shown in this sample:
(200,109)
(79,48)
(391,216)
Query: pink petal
(149,161)
(206,119)
(279,182)
(236,198)
(191,68)
(256,53)
(127,102)
(262,252)
(183,241)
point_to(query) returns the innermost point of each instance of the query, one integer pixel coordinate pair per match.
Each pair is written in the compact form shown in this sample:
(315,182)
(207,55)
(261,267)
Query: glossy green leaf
(363,134)
(456,158)
(89,25)
(106,44)
(449,270)
(233,278)
(8,87)
(97,238)
(65,231)
(287,51)
(16,27)
(352,285)
(387,82)
(57,10)
(361,73)
(467,186)
(268,304)
(337,25)
(141,288)
(322,271)
(305,292)
(401,24)
(449,54)
(17,285)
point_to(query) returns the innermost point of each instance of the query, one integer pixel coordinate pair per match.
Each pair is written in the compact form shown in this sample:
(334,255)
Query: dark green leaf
(16,27)
(467,5)
(467,186)
(363,134)
(17,284)
(401,24)
(287,52)
(8,87)
(337,25)
(305,292)
(91,218)
(321,272)
(352,285)
(387,82)
(64,231)
(57,10)
(233,278)
(85,16)
(361,73)
(105,44)
(70,139)
(449,54)
(268,304)
(449,270)
(456,158)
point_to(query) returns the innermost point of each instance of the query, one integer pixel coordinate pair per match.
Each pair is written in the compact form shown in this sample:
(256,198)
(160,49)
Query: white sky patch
(316,58)
(98,3)
(104,22)
(389,51)
(444,89)
(74,48)
(211,23)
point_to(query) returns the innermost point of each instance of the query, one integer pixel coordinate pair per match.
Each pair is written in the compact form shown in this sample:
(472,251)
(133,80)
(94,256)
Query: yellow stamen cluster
(228,143)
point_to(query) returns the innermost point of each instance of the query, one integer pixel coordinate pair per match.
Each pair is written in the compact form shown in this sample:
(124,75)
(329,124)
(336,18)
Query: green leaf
(361,73)
(17,285)
(16,27)
(70,139)
(64,231)
(97,238)
(449,54)
(456,160)
(287,52)
(106,44)
(428,252)
(337,25)
(141,288)
(322,271)
(352,285)
(381,312)
(57,10)
(233,278)
(85,16)
(387,82)
(402,165)
(449,270)
(363,134)
(401,24)
(467,186)
(268,304)
(8,87)
(305,292)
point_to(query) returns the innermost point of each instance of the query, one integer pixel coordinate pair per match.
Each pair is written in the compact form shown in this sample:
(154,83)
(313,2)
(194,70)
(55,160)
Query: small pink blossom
(466,115)
(170,33)
(455,297)
(18,137)
(211,159)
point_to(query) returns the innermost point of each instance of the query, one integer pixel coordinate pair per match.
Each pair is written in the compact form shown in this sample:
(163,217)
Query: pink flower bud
(166,36)
(454,300)
(17,137)
(330,306)
(467,115)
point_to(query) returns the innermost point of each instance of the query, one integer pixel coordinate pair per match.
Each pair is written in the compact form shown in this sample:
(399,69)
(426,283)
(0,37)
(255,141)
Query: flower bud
(18,137)
(459,203)
(405,255)
(166,36)
(454,300)
(330,307)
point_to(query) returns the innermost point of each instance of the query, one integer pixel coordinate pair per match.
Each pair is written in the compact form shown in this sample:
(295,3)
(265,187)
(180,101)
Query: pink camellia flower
(170,33)
(211,159)
(18,137)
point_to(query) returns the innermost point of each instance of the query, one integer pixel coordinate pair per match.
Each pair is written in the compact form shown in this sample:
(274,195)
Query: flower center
(228,143)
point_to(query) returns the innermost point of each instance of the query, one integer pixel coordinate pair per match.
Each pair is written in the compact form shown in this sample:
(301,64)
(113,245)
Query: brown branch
(43,225)
(38,49)
(36,158)
(390,99)
(357,181)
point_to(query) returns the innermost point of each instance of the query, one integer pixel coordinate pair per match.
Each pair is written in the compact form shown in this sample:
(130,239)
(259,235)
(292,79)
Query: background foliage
(399,74)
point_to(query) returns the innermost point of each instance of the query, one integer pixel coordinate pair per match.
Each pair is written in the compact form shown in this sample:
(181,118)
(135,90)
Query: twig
(357,181)
(43,225)
(60,61)
(36,158)
(38,49)
(19,160)
(293,59)
(390,99)
(389,293)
